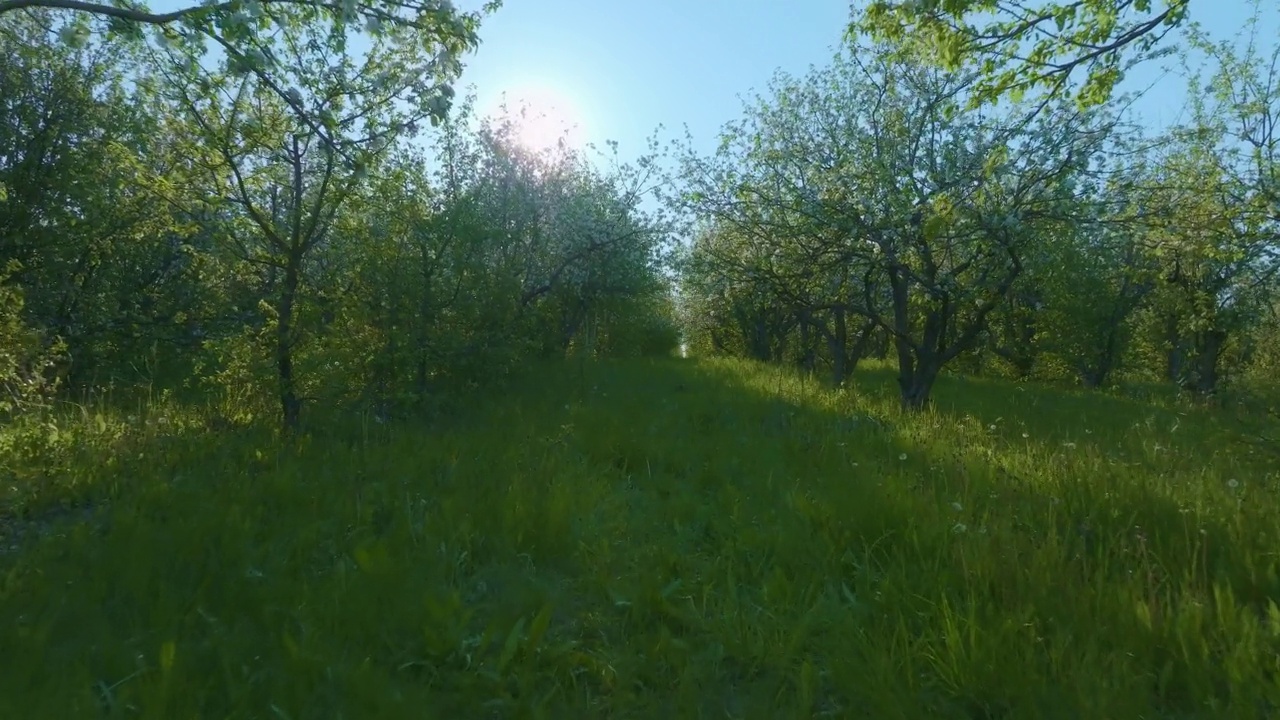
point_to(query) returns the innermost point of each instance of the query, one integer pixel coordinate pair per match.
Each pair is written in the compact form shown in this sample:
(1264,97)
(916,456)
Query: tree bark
(290,405)
(915,382)
(1204,375)
(837,344)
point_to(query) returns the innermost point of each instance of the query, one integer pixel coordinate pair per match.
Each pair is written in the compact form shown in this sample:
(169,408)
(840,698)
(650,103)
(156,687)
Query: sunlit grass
(655,539)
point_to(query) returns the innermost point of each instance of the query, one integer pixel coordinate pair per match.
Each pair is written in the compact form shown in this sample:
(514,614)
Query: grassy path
(671,539)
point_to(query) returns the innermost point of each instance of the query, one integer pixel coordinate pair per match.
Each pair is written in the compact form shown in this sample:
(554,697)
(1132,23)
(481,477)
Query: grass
(653,539)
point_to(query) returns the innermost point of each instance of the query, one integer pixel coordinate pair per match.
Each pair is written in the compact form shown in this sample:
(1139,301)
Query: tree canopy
(1025,46)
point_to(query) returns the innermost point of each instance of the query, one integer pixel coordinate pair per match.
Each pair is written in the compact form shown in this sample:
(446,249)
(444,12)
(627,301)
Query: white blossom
(256,57)
(73,35)
(438,106)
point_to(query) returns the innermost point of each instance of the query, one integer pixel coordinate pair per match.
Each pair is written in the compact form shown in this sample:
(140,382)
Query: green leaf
(512,645)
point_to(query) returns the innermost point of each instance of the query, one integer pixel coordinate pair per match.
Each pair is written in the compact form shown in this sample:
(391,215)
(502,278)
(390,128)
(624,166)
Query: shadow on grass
(637,539)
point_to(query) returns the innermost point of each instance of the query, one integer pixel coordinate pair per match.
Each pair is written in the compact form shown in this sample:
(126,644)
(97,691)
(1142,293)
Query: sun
(543,117)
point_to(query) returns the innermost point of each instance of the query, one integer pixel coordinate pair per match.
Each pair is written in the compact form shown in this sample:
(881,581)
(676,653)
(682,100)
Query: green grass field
(640,539)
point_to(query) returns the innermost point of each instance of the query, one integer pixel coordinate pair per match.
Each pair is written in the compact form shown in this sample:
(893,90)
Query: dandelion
(1026,435)
(1233,483)
(1069,445)
(992,428)
(957,506)
(959,528)
(903,456)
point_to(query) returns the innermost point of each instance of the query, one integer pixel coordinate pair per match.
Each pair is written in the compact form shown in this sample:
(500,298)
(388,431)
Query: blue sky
(627,67)
(624,67)
(630,66)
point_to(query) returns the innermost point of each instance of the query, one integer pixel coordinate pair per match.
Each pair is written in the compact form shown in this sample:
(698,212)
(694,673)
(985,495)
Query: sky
(627,67)
(620,69)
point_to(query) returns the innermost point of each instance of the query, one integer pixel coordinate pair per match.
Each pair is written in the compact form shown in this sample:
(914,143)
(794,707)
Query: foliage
(249,36)
(1021,47)
(220,241)
(28,359)
(105,265)
(865,189)
(1213,226)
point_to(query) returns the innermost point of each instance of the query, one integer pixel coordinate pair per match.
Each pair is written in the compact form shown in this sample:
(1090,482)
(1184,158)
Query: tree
(1084,280)
(284,179)
(874,167)
(104,262)
(249,35)
(1217,239)
(1021,47)
(1217,264)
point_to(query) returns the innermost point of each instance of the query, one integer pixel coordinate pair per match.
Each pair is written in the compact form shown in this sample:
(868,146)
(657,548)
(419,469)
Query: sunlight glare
(543,117)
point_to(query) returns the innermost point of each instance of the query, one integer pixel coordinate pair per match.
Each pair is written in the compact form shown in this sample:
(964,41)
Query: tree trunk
(1093,378)
(846,353)
(1094,375)
(1204,375)
(760,346)
(808,352)
(570,324)
(915,363)
(915,383)
(866,334)
(290,405)
(1175,354)
(879,344)
(837,344)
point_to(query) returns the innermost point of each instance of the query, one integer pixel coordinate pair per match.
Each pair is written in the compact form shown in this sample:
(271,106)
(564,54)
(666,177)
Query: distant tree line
(294,223)
(883,206)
